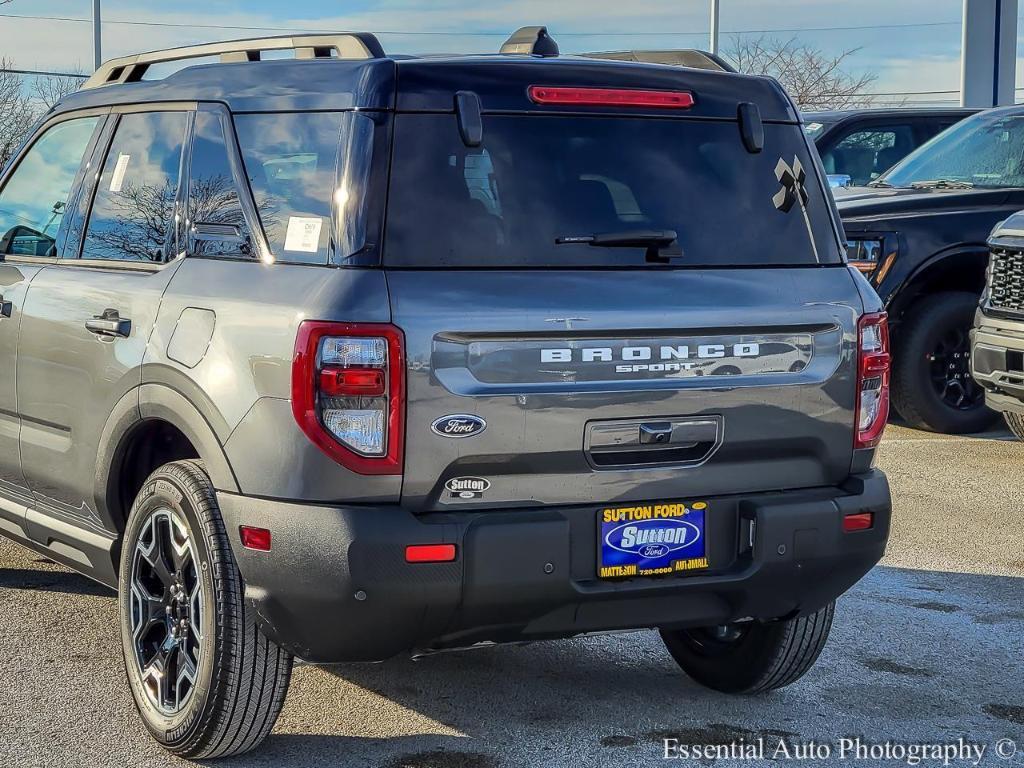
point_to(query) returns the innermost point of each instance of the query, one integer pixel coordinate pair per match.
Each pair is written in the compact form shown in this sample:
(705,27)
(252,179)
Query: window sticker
(303,234)
(117,177)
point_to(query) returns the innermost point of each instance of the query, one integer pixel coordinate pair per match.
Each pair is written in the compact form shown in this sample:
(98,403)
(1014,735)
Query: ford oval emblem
(459,425)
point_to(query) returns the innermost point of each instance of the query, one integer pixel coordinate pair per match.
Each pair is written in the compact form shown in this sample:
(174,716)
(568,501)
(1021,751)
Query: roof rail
(344,45)
(680,57)
(531,40)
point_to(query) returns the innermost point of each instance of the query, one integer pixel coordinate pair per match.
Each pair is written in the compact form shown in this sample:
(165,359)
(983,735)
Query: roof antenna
(531,40)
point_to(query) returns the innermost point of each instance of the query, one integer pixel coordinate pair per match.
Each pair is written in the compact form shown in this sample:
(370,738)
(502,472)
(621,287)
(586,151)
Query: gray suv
(340,355)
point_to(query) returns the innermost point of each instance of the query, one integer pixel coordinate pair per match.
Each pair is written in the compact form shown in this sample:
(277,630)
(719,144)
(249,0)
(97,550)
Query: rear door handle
(109,324)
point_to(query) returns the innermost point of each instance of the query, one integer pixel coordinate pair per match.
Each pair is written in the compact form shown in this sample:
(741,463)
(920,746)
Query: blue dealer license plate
(651,539)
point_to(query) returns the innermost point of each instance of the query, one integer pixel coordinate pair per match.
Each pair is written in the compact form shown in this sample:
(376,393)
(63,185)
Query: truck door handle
(6,307)
(109,324)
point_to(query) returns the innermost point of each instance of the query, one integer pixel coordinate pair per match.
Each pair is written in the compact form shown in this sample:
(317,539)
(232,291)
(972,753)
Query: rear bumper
(997,361)
(336,587)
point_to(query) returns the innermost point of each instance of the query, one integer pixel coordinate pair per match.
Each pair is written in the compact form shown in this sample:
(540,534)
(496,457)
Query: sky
(913,46)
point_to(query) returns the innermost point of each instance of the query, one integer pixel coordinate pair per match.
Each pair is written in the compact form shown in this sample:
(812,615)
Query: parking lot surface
(929,648)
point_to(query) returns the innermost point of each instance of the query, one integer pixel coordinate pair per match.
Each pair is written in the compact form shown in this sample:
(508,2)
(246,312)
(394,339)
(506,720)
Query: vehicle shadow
(51,581)
(939,651)
(898,428)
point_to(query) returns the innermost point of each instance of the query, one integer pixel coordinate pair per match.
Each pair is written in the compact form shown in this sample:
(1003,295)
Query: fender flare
(148,402)
(899,299)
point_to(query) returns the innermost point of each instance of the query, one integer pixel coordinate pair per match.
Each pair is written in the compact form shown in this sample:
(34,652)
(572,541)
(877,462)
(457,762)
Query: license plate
(651,539)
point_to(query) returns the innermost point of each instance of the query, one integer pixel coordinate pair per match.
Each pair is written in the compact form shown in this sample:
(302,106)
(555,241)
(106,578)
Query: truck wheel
(932,386)
(1016,424)
(205,679)
(751,657)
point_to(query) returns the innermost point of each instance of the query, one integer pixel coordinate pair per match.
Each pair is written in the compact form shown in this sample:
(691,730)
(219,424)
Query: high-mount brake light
(610,97)
(873,364)
(348,393)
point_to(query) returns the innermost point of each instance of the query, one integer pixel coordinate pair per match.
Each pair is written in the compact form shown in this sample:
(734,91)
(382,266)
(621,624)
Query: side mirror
(25,241)
(839,180)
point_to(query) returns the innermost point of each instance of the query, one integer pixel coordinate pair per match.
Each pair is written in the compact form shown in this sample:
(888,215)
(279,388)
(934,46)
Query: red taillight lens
(873,366)
(348,393)
(254,538)
(430,553)
(859,521)
(610,97)
(353,382)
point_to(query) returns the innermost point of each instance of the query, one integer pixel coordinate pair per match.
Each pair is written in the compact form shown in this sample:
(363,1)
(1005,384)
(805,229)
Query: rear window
(538,179)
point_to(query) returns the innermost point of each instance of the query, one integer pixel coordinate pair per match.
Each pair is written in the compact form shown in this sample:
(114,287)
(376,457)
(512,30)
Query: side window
(291,161)
(216,224)
(865,155)
(133,210)
(33,201)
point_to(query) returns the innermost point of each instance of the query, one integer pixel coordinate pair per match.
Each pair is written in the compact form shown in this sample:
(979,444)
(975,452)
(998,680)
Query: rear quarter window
(291,164)
(536,179)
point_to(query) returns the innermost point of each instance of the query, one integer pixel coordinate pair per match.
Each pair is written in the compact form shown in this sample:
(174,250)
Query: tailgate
(600,386)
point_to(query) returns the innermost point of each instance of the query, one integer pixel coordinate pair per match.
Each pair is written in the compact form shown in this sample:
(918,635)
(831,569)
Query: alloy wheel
(950,371)
(166,611)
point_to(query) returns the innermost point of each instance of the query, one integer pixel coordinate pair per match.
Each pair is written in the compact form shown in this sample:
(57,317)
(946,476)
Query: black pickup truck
(918,233)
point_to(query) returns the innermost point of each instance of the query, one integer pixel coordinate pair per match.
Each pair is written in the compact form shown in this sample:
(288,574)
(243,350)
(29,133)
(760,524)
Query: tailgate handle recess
(675,441)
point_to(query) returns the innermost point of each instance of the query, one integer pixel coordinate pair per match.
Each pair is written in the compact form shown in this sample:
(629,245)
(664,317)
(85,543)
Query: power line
(40,72)
(463,33)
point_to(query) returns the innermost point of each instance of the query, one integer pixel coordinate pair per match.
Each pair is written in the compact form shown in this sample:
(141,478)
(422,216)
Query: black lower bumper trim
(335,586)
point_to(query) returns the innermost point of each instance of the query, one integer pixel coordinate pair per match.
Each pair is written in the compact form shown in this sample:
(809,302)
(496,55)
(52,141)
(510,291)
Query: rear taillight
(610,97)
(348,393)
(872,379)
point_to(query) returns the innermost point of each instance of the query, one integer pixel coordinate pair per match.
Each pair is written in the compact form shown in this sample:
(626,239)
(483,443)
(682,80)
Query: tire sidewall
(165,491)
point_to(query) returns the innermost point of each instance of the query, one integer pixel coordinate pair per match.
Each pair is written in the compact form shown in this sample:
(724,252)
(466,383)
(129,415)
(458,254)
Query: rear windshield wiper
(660,243)
(942,184)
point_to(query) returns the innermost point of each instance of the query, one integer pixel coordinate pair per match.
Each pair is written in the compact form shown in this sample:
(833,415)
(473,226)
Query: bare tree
(814,79)
(17,113)
(49,89)
(21,106)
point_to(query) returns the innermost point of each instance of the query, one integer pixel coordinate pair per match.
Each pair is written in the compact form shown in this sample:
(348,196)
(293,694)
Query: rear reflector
(255,538)
(430,553)
(860,521)
(610,97)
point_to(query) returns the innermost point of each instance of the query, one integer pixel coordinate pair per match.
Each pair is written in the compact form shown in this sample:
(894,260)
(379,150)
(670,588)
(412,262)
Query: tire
(931,384)
(751,657)
(224,682)
(1015,422)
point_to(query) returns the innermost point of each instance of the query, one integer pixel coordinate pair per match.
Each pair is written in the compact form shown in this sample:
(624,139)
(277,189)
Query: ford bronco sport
(346,355)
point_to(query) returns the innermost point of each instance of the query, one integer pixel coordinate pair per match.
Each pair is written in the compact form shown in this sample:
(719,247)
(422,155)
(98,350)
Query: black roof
(381,82)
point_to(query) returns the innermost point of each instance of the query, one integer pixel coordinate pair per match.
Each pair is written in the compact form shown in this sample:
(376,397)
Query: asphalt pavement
(927,650)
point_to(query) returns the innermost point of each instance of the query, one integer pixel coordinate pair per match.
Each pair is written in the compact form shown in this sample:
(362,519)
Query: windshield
(983,151)
(544,191)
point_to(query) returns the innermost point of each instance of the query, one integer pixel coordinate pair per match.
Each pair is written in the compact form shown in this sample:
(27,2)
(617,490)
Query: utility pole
(97,55)
(714,26)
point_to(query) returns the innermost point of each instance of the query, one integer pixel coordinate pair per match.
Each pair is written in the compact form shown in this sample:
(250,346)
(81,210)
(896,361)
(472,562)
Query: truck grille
(1006,280)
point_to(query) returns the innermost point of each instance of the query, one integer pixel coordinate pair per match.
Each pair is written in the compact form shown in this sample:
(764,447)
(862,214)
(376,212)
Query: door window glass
(216,224)
(133,211)
(33,201)
(865,155)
